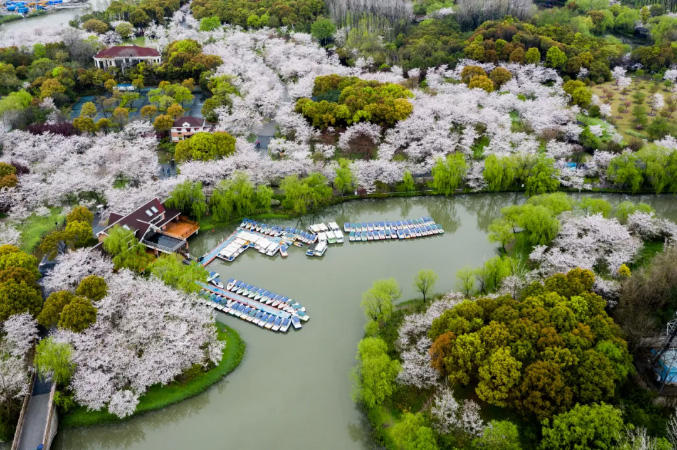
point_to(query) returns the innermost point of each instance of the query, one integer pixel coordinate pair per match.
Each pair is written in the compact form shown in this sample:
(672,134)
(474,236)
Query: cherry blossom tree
(75,265)
(17,335)
(670,75)
(146,333)
(657,102)
(364,129)
(586,242)
(9,234)
(416,368)
(450,414)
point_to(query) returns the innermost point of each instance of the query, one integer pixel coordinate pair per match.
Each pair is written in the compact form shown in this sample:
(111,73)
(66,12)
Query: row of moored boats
(400,229)
(253,304)
(289,233)
(331,232)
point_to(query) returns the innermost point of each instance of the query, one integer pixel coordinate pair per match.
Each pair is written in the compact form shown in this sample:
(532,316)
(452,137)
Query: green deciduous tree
(78,234)
(412,432)
(492,273)
(343,182)
(408,184)
(466,280)
(627,208)
(532,56)
(188,198)
(54,304)
(236,197)
(424,281)
(88,110)
(15,101)
(449,173)
(544,390)
(500,173)
(300,195)
(624,170)
(125,249)
(53,359)
(11,256)
(556,202)
(595,206)
(377,302)
(555,57)
(499,435)
(124,29)
(84,124)
(16,298)
(597,426)
(163,122)
(376,372)
(500,76)
(499,377)
(481,82)
(173,272)
(80,214)
(542,177)
(93,287)
(96,26)
(205,146)
(323,30)
(77,315)
(210,23)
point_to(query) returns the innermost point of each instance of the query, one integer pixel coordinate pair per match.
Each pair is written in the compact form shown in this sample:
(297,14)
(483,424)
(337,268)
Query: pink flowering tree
(146,333)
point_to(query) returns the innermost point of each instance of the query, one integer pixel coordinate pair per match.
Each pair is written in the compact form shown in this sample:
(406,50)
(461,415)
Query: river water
(294,391)
(53,19)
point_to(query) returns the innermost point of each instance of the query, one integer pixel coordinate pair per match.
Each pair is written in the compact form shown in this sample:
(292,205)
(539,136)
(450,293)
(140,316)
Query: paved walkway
(35,419)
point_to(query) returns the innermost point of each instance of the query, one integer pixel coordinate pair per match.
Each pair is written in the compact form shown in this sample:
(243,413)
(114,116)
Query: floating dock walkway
(266,239)
(259,306)
(272,239)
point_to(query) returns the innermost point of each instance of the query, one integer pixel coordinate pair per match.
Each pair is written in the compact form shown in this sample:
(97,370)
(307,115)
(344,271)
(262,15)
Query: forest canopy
(340,101)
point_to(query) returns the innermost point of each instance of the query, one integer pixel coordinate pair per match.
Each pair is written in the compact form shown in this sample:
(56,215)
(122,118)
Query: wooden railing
(51,411)
(20,422)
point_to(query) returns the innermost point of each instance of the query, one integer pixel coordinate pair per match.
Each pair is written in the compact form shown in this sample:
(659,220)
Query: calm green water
(294,391)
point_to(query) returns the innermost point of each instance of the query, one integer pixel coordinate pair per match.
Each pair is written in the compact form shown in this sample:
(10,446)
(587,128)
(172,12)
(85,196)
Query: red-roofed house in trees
(124,56)
(187,126)
(159,228)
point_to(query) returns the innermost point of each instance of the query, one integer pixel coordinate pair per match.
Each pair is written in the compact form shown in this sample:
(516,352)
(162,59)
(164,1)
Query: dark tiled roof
(114,217)
(140,219)
(190,120)
(126,51)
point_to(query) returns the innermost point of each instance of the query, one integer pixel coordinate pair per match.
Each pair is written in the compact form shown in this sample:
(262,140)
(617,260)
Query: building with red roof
(187,126)
(157,227)
(124,56)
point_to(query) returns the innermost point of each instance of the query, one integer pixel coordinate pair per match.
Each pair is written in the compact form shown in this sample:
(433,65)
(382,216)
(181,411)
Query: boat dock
(399,229)
(266,239)
(272,239)
(331,232)
(256,305)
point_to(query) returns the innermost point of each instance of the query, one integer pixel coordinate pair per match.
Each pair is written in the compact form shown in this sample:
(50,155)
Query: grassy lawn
(35,227)
(141,41)
(611,94)
(158,396)
(646,254)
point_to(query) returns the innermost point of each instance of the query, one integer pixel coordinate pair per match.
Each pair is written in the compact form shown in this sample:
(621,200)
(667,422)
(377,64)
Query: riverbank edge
(159,397)
(380,418)
(208,222)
